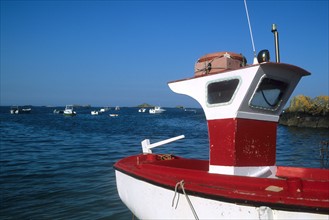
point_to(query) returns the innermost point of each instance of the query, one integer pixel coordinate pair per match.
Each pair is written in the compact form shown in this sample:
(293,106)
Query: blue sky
(108,53)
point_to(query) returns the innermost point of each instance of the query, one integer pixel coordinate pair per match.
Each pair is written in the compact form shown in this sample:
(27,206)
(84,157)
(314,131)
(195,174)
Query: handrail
(146,146)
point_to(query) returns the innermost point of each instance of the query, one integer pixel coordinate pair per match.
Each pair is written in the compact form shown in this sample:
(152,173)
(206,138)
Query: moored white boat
(102,110)
(94,112)
(190,110)
(25,110)
(58,111)
(17,110)
(156,110)
(14,110)
(69,111)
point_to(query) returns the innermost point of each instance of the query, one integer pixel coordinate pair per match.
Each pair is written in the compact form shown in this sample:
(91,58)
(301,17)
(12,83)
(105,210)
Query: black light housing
(263,56)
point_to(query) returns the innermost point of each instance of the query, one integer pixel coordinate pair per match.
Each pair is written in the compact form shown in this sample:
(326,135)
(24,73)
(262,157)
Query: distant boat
(190,110)
(142,110)
(156,110)
(95,112)
(104,109)
(113,115)
(58,111)
(117,108)
(69,111)
(16,110)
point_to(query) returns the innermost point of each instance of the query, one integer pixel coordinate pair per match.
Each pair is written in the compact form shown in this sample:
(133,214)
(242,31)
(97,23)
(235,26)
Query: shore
(298,119)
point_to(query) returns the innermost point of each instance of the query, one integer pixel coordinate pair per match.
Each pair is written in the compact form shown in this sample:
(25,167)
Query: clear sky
(108,53)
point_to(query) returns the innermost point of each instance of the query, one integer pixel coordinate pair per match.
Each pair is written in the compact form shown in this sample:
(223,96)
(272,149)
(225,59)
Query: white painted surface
(255,171)
(147,146)
(148,201)
(196,88)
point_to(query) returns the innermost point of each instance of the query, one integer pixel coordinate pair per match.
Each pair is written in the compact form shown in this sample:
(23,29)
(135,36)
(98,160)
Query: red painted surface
(296,191)
(300,172)
(242,142)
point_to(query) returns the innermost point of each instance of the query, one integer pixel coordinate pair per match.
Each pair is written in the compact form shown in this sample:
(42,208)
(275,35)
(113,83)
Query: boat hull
(147,184)
(149,201)
(69,114)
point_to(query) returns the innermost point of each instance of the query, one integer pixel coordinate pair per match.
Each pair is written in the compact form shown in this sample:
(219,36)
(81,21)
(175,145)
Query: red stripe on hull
(242,142)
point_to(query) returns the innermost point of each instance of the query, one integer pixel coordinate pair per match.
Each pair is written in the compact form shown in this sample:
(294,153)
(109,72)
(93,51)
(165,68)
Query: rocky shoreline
(304,120)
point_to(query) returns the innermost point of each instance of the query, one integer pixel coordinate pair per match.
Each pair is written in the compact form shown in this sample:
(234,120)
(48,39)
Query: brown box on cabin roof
(217,65)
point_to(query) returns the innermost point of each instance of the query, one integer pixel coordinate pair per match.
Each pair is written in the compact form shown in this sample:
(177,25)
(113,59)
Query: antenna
(252,38)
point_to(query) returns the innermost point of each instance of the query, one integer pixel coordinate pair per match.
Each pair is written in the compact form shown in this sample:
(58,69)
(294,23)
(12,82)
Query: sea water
(58,167)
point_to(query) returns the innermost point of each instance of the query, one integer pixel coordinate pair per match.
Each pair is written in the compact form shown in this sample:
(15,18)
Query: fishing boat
(95,112)
(242,104)
(17,110)
(69,111)
(102,110)
(156,110)
(58,111)
(14,110)
(190,110)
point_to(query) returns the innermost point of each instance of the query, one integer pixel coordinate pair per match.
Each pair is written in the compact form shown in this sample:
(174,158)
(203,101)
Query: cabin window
(269,94)
(222,92)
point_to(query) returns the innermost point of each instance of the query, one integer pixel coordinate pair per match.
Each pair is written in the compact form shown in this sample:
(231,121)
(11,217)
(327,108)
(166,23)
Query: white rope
(173,200)
(181,184)
(252,38)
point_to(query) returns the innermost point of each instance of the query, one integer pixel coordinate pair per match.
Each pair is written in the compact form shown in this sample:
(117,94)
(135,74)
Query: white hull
(16,110)
(156,110)
(13,111)
(148,201)
(69,113)
(94,112)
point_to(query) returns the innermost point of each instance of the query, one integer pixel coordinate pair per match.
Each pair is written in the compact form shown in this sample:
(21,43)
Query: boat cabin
(242,105)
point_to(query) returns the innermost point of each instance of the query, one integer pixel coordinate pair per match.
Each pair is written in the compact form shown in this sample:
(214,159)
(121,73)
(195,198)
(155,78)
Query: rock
(304,120)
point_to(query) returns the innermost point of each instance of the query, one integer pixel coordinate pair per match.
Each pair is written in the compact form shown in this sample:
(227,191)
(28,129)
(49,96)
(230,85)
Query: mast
(276,43)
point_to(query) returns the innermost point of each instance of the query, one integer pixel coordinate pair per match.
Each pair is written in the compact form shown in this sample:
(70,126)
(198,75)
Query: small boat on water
(95,112)
(142,110)
(242,105)
(156,110)
(17,110)
(69,111)
(102,110)
(58,111)
(190,110)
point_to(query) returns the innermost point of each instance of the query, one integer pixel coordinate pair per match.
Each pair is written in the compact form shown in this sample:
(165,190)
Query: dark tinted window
(269,94)
(221,92)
